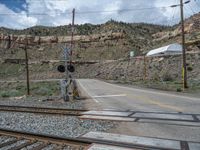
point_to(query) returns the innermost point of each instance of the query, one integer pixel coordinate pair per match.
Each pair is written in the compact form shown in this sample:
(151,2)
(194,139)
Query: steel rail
(44,138)
(66,141)
(85,143)
(42,110)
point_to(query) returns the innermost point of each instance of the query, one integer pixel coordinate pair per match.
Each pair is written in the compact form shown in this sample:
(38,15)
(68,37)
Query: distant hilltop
(110,41)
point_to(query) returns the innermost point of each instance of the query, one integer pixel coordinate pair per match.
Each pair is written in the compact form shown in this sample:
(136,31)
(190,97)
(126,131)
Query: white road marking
(95,100)
(102,96)
(108,113)
(87,92)
(104,147)
(156,92)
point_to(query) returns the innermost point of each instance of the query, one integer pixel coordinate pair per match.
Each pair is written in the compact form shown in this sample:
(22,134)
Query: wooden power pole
(27,68)
(72,36)
(184,68)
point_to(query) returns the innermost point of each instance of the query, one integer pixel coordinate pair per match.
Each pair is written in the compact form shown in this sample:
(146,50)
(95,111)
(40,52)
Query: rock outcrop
(7,41)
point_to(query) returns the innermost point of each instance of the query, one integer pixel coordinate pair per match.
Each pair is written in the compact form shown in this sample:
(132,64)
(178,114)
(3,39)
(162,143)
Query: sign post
(132,54)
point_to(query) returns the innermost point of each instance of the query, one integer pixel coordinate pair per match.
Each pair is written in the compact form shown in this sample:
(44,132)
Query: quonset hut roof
(172,49)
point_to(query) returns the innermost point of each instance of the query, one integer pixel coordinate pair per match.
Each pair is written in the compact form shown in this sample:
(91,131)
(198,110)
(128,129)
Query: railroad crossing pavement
(153,107)
(107,147)
(138,142)
(180,119)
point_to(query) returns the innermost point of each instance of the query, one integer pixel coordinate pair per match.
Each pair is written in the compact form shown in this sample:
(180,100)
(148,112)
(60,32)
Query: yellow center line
(166,105)
(155,102)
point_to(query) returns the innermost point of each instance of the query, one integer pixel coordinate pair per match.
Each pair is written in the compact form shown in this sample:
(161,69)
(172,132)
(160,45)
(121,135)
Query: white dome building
(172,49)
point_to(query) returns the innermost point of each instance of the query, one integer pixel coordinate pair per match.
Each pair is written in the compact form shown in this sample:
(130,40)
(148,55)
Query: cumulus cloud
(172,14)
(54,13)
(16,20)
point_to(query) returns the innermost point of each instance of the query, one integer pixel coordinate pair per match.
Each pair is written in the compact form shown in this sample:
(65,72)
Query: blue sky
(21,14)
(15,5)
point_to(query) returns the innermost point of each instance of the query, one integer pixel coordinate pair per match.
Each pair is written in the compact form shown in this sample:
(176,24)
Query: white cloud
(17,20)
(172,14)
(59,12)
(26,20)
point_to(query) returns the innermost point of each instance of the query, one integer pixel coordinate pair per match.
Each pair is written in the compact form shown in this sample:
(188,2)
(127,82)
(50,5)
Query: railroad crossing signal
(70,68)
(66,54)
(62,69)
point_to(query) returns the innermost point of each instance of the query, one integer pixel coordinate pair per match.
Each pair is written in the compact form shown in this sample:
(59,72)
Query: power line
(79,13)
(122,10)
(191,9)
(90,12)
(51,0)
(32,14)
(10,1)
(197,3)
(172,16)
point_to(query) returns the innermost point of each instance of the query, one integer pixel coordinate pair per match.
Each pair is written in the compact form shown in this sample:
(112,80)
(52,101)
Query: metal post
(66,63)
(184,69)
(9,42)
(27,68)
(145,68)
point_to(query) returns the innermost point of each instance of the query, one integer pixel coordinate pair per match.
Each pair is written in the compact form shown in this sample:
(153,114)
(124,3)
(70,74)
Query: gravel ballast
(67,126)
(43,102)
(63,126)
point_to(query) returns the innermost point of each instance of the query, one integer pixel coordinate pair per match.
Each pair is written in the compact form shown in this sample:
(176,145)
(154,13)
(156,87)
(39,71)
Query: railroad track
(19,140)
(42,110)
(16,140)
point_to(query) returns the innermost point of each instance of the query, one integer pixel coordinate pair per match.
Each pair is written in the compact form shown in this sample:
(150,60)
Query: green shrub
(179,90)
(189,68)
(5,94)
(43,91)
(167,77)
(14,93)
(11,93)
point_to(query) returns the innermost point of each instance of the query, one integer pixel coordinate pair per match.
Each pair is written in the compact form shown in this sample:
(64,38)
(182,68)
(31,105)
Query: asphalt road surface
(112,96)
(118,97)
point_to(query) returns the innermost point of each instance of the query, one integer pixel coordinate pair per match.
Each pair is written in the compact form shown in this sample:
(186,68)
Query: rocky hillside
(192,34)
(87,29)
(112,40)
(154,72)
(192,24)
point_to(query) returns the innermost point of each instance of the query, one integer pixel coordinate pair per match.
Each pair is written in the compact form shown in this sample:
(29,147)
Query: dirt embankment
(163,69)
(135,69)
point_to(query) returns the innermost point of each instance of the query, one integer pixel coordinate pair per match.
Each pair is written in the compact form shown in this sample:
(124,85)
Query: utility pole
(66,86)
(27,68)
(26,57)
(72,36)
(145,68)
(184,68)
(9,42)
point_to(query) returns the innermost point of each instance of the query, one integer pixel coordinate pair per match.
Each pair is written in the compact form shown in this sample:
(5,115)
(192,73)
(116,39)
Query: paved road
(111,96)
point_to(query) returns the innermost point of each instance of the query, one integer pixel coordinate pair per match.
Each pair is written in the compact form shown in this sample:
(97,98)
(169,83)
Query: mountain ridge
(138,37)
